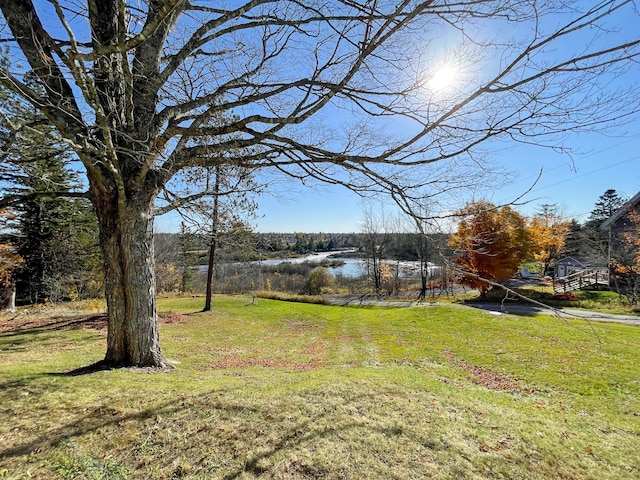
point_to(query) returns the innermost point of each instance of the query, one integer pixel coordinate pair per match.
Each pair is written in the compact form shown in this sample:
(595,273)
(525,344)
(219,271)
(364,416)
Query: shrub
(320,278)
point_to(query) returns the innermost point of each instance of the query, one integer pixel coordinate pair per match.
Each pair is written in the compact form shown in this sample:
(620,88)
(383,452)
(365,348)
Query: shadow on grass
(321,426)
(100,366)
(11,390)
(245,419)
(30,326)
(499,309)
(103,365)
(104,416)
(98,418)
(53,324)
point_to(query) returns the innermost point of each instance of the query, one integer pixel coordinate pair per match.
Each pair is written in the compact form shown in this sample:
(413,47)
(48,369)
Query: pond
(353,267)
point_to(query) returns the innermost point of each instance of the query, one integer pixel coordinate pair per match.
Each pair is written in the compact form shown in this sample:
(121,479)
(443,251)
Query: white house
(568,265)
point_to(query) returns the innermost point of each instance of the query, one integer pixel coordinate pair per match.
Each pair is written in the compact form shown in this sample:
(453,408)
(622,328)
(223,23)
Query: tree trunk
(9,297)
(126,238)
(210,269)
(424,278)
(214,241)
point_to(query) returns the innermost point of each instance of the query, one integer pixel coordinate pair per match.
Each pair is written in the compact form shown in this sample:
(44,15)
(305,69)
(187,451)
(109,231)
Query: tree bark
(210,269)
(9,297)
(126,238)
(214,240)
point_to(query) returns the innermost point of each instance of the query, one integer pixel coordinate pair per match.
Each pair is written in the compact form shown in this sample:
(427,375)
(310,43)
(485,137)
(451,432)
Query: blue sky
(573,183)
(603,162)
(598,162)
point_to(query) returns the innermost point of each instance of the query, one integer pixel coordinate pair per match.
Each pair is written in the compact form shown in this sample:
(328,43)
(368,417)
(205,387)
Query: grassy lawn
(298,391)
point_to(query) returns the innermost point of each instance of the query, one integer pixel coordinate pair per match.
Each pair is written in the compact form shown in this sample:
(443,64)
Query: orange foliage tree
(9,262)
(625,261)
(549,233)
(491,243)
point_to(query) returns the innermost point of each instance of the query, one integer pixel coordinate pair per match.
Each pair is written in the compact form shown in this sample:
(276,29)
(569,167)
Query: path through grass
(287,390)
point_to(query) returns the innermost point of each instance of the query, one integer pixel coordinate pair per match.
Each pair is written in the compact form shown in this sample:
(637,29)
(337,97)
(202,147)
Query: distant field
(285,390)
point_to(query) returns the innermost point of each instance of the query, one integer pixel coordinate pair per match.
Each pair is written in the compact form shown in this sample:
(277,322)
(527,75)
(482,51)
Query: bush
(320,278)
(290,297)
(168,278)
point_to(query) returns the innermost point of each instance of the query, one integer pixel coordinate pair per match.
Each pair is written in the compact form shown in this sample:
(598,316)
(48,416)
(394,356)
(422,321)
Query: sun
(443,77)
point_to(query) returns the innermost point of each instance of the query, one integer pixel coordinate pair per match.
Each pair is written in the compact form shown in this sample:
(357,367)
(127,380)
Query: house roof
(571,261)
(633,201)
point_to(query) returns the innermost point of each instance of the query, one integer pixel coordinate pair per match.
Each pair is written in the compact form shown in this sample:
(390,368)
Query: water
(353,267)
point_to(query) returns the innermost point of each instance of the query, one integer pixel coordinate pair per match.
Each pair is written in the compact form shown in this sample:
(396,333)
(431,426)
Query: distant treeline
(193,249)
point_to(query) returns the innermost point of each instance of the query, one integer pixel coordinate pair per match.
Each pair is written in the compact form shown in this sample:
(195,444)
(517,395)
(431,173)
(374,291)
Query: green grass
(277,389)
(605,301)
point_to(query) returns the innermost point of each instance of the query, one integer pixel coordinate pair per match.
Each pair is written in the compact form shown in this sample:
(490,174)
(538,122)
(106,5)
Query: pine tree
(605,206)
(595,245)
(56,235)
(187,258)
(575,244)
(54,230)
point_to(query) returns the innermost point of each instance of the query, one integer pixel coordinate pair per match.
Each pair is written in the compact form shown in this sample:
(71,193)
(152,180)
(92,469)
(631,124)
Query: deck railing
(581,279)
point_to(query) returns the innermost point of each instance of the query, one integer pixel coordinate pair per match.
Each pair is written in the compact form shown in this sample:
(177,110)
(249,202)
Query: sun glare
(443,78)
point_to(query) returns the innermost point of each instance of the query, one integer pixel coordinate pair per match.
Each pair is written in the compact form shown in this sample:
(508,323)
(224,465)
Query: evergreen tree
(575,244)
(594,243)
(54,231)
(188,258)
(605,206)
(57,236)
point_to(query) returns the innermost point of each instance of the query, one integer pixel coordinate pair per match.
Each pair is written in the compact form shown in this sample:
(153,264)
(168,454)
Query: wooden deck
(589,278)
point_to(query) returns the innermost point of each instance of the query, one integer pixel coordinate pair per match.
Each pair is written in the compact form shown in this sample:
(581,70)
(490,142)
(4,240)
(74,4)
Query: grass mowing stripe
(281,390)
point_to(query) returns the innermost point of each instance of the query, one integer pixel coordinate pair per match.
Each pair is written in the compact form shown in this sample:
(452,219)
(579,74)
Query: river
(353,267)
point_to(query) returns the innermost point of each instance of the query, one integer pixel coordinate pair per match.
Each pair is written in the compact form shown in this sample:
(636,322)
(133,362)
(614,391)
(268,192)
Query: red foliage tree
(492,243)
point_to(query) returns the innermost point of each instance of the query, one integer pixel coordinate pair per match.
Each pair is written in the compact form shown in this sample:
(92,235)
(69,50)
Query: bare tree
(222,214)
(379,231)
(131,87)
(426,253)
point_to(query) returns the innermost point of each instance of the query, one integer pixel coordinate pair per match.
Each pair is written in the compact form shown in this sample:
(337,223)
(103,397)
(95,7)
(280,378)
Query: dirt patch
(486,378)
(279,363)
(298,327)
(172,318)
